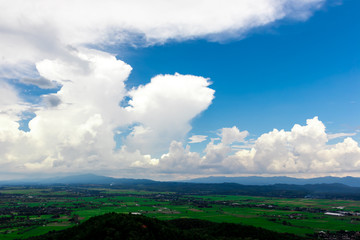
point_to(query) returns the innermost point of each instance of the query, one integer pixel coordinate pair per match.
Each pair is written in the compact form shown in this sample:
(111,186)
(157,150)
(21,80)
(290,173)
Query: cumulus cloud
(179,159)
(214,154)
(230,135)
(165,107)
(74,128)
(11,138)
(303,149)
(11,104)
(46,44)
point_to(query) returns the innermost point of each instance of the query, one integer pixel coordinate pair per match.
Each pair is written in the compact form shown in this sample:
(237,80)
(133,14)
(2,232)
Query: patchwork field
(31,211)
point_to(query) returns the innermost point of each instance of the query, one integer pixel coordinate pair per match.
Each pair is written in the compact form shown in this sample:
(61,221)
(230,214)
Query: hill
(251,180)
(76,179)
(323,190)
(256,180)
(120,226)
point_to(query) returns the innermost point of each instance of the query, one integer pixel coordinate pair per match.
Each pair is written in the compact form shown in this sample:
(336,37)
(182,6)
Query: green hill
(133,227)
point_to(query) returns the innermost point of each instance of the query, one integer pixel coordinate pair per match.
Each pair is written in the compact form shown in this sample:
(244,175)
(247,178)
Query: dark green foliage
(228,230)
(132,227)
(116,226)
(323,191)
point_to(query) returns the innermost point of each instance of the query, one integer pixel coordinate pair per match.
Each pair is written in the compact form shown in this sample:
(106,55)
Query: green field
(34,211)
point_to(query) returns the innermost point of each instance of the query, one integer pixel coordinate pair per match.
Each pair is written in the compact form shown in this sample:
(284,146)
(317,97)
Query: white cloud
(42,43)
(11,138)
(340,135)
(11,108)
(230,135)
(40,82)
(179,159)
(303,150)
(9,100)
(51,100)
(197,138)
(215,154)
(76,134)
(165,107)
(74,128)
(36,30)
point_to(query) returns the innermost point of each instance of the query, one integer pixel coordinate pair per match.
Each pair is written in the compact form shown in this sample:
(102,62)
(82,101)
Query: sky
(179,89)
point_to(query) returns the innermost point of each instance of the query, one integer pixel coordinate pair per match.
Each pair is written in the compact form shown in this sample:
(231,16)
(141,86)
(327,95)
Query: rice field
(34,211)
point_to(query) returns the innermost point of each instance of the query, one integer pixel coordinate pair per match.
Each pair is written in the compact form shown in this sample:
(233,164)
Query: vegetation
(35,210)
(119,226)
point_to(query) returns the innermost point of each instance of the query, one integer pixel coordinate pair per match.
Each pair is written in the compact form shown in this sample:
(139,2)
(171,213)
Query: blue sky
(277,76)
(271,90)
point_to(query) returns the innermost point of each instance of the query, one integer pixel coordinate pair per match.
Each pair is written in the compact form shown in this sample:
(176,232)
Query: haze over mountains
(76,179)
(255,180)
(251,180)
(323,188)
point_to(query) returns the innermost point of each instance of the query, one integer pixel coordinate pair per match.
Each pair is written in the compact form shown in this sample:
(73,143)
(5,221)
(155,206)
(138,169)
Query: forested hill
(124,226)
(324,191)
(257,180)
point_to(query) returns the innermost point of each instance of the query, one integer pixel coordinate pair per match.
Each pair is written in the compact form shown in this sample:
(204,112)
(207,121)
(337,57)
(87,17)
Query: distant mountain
(77,179)
(324,191)
(253,186)
(255,180)
(81,179)
(252,180)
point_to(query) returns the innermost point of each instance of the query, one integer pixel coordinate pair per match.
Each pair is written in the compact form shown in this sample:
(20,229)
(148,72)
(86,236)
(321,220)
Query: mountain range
(76,179)
(256,180)
(252,180)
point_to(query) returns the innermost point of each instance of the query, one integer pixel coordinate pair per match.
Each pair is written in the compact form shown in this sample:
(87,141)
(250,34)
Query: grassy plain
(31,211)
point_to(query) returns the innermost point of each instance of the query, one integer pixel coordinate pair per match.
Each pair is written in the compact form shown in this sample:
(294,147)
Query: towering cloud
(51,45)
(164,107)
(75,127)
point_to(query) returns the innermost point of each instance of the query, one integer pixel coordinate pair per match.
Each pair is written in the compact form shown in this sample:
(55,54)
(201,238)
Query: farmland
(33,210)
